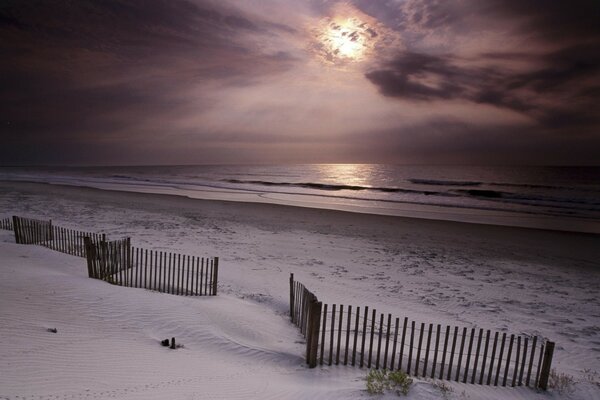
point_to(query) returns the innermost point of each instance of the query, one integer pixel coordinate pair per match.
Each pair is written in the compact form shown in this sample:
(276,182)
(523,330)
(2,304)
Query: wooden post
(198,263)
(392,362)
(373,318)
(443,365)
(510,346)
(460,354)
(466,375)
(410,348)
(387,340)
(339,338)
(539,366)
(418,360)
(526,342)
(315,316)
(17,229)
(364,337)
(379,342)
(500,359)
(215,276)
(427,348)
(491,370)
(401,356)
(202,276)
(546,366)
(476,361)
(88,252)
(292,297)
(531,361)
(323,334)
(437,346)
(516,369)
(356,325)
(348,326)
(485,352)
(331,334)
(449,377)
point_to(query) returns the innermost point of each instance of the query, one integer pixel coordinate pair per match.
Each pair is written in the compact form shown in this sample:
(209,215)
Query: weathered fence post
(16,228)
(88,254)
(292,297)
(546,365)
(215,277)
(313,333)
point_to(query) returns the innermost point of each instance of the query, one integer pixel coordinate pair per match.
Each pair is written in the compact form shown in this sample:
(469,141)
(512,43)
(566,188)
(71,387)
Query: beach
(241,344)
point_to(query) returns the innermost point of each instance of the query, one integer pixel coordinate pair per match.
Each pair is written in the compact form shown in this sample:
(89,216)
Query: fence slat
(418,360)
(531,361)
(510,345)
(452,353)
(476,361)
(435,355)
(371,336)
(348,323)
(427,348)
(331,334)
(443,365)
(526,342)
(356,324)
(321,357)
(500,359)
(387,341)
(466,375)
(392,362)
(460,354)
(339,338)
(516,368)
(401,356)
(379,342)
(485,352)
(364,337)
(410,347)
(491,369)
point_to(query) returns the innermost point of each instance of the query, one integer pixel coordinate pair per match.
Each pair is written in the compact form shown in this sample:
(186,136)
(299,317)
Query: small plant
(378,381)
(591,376)
(444,388)
(562,383)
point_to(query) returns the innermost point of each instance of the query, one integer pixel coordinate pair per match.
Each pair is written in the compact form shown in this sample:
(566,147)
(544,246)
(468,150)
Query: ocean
(561,198)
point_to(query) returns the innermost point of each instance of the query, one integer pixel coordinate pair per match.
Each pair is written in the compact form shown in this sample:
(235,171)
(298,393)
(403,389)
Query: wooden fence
(119,263)
(361,337)
(6,224)
(44,233)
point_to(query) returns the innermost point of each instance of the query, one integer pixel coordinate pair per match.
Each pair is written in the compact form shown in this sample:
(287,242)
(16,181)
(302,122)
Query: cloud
(132,81)
(87,71)
(553,78)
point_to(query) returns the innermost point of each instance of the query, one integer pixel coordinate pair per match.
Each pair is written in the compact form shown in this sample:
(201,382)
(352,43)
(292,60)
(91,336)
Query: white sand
(241,344)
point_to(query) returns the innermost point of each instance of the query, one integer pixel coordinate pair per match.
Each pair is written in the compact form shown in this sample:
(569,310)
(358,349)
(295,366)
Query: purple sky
(272,81)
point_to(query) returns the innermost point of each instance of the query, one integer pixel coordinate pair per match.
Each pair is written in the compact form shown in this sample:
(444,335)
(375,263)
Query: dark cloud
(554,78)
(563,92)
(83,72)
(547,19)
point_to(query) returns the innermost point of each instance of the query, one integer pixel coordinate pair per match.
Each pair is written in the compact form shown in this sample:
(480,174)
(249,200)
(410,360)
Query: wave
(436,182)
(334,187)
(516,198)
(494,194)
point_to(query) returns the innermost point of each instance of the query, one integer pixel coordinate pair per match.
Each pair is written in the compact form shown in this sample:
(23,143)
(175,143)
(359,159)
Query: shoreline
(542,223)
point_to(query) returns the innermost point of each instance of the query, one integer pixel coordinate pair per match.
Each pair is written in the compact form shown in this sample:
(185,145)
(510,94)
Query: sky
(136,82)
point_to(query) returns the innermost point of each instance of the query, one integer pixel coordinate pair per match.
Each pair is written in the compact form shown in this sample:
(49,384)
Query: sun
(346,36)
(344,39)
